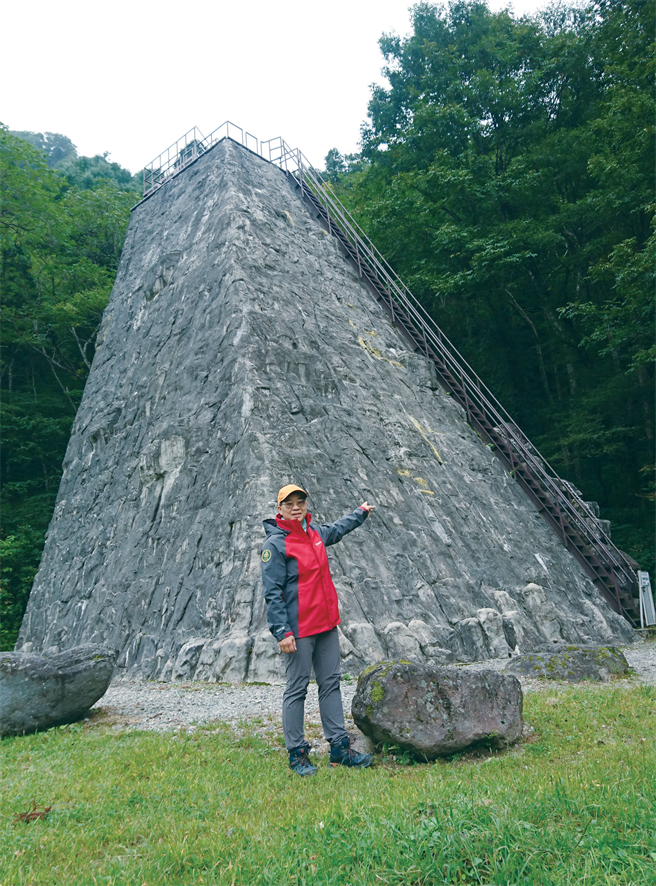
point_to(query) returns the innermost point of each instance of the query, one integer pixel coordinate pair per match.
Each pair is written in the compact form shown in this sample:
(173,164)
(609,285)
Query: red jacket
(300,594)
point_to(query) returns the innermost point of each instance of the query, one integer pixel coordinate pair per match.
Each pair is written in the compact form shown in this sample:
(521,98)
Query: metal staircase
(561,505)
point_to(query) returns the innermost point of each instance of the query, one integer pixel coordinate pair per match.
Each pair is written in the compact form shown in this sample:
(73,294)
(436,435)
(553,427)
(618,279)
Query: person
(303,614)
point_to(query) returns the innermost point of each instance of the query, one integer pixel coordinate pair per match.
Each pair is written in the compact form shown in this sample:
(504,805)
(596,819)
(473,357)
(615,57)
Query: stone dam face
(240,352)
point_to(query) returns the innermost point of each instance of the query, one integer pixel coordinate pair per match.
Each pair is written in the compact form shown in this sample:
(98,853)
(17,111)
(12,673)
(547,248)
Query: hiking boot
(300,762)
(342,753)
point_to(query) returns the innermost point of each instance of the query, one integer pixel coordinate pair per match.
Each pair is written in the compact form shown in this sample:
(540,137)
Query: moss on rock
(377,693)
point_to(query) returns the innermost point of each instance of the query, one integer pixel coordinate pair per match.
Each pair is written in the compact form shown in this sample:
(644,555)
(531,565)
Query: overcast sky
(131,76)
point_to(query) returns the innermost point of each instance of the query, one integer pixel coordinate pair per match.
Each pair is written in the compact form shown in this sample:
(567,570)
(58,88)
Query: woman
(303,614)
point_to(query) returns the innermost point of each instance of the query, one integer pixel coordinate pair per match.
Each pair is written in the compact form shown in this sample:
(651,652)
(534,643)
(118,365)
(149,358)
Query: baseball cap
(286,491)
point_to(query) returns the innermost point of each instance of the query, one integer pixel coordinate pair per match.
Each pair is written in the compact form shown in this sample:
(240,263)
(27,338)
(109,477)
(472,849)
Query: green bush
(19,560)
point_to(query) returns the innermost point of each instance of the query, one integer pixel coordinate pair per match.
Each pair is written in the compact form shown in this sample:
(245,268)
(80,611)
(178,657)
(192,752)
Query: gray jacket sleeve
(274,575)
(331,533)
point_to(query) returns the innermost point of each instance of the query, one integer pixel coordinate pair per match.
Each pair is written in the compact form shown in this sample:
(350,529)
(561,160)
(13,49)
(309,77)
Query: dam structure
(246,345)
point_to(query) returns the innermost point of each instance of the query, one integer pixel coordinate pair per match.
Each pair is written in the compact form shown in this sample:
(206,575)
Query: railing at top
(580,530)
(192,144)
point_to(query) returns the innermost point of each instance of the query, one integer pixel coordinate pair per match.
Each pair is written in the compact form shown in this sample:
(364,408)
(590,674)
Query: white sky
(131,76)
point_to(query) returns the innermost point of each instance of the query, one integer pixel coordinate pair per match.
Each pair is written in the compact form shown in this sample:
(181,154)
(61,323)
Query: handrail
(557,500)
(189,147)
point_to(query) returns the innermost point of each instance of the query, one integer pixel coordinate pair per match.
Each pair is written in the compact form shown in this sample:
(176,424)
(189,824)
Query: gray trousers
(322,652)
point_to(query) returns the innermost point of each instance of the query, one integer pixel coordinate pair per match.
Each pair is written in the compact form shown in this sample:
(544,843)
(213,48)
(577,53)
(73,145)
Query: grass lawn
(573,804)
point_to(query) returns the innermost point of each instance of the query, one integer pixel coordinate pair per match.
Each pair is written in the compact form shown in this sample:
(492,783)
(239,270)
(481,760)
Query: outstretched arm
(331,533)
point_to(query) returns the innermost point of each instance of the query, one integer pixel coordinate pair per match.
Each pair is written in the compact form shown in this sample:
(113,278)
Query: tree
(335,165)
(340,165)
(87,173)
(509,180)
(55,146)
(60,247)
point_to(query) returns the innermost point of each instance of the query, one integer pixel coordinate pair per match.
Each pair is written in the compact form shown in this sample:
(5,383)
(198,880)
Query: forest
(507,174)
(63,220)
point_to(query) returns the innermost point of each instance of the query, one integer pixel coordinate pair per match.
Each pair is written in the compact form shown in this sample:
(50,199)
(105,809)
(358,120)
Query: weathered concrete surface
(434,712)
(239,352)
(571,663)
(38,692)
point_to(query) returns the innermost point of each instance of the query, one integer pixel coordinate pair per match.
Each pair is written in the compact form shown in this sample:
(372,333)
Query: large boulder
(571,663)
(433,712)
(37,692)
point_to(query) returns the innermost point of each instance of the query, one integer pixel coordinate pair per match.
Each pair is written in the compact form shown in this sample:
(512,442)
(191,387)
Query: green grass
(574,804)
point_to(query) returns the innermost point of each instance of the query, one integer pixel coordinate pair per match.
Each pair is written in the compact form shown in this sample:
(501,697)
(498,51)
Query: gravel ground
(170,706)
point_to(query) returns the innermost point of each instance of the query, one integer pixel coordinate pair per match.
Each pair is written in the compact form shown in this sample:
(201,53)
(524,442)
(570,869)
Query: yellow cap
(286,491)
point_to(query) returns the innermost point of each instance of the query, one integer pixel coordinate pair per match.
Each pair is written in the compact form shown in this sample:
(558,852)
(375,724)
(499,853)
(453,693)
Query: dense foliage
(507,174)
(60,241)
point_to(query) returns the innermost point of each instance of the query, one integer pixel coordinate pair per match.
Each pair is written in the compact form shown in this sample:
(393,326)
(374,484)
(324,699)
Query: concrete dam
(242,350)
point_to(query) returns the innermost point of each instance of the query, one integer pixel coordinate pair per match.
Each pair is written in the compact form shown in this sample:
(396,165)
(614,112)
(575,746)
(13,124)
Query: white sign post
(647,612)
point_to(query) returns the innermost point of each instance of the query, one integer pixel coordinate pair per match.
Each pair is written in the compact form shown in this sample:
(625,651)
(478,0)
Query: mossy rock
(37,691)
(436,711)
(571,663)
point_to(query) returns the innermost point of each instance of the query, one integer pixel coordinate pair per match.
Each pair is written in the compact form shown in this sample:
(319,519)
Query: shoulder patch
(266,556)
